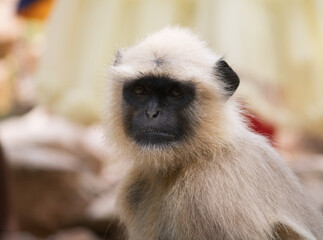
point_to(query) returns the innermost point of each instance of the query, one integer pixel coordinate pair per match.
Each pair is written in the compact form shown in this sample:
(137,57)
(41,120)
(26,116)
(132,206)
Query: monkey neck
(162,175)
(172,161)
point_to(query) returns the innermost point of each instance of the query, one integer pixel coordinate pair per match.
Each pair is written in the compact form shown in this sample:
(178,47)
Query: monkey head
(169,94)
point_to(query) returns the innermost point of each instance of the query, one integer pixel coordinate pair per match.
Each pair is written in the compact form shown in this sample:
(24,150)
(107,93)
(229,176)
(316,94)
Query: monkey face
(168,93)
(154,110)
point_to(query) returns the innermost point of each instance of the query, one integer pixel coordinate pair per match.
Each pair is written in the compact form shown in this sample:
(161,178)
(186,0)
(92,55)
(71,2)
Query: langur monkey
(197,171)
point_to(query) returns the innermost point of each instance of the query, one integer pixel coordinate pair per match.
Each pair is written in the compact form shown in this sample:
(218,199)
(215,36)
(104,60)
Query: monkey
(196,170)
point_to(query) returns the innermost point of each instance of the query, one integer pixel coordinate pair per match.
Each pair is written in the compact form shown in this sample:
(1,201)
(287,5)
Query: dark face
(154,110)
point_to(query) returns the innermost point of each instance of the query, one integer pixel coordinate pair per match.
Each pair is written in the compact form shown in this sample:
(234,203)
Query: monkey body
(197,171)
(206,199)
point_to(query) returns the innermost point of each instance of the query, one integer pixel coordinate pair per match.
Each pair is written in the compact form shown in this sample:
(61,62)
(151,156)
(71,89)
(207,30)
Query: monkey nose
(152,114)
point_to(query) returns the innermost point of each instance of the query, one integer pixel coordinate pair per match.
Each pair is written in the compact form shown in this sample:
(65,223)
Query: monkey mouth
(157,132)
(154,136)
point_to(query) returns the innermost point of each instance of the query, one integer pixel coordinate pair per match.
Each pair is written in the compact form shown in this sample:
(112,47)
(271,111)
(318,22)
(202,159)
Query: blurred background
(57,177)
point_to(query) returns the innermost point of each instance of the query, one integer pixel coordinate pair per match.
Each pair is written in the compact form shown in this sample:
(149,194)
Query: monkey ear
(117,59)
(226,74)
(290,231)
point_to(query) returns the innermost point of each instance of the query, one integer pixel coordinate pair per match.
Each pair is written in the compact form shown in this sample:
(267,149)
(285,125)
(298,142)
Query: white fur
(225,182)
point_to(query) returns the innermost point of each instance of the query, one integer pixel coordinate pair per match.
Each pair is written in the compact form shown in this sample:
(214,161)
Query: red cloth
(262,127)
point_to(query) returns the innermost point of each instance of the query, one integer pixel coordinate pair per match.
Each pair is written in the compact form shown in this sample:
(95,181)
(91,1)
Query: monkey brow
(151,75)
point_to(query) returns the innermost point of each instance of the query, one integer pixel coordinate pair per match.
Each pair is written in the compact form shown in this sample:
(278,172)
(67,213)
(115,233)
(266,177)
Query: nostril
(152,114)
(156,114)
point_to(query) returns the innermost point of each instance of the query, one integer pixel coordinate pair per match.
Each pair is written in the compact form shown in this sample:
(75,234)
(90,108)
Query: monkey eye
(140,90)
(175,92)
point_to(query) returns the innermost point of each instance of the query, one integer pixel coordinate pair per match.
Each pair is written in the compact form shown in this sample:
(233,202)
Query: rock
(27,139)
(75,234)
(5,208)
(46,200)
(78,233)
(18,236)
(57,173)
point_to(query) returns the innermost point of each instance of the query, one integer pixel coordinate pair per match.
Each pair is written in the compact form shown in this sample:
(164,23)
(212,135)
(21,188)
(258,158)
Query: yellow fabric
(276,47)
